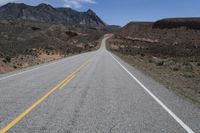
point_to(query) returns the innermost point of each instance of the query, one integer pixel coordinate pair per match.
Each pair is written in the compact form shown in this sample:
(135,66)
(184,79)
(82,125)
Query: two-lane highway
(89,93)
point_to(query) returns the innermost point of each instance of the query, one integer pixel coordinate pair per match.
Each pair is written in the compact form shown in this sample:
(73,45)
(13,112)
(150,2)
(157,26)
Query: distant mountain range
(48,14)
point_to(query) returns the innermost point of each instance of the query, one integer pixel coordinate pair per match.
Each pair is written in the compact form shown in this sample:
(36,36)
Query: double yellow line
(28,110)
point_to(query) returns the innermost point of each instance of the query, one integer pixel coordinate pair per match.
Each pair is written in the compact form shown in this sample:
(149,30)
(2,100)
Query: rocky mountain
(48,14)
(134,28)
(168,37)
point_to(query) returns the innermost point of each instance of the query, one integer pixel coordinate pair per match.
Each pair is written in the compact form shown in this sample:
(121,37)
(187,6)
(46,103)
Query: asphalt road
(94,92)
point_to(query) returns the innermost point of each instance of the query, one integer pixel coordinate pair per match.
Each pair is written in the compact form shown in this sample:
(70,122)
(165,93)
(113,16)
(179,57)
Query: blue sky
(120,12)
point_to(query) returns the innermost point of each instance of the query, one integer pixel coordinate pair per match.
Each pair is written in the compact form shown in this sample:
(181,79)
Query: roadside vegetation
(29,43)
(169,55)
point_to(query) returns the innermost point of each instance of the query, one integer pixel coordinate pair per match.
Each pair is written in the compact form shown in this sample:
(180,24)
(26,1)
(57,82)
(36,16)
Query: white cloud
(77,3)
(3,2)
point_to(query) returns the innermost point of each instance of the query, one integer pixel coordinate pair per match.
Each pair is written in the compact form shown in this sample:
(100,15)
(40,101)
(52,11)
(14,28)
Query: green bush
(175,67)
(159,63)
(188,68)
(8,59)
(188,74)
(150,61)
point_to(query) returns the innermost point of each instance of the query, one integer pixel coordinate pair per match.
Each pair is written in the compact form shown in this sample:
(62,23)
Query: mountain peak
(43,5)
(90,12)
(10,4)
(48,14)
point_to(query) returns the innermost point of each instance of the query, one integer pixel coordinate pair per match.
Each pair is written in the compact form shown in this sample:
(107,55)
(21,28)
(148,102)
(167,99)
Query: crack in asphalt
(76,115)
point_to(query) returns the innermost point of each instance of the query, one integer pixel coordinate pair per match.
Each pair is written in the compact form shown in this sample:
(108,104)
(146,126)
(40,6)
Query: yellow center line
(64,84)
(28,110)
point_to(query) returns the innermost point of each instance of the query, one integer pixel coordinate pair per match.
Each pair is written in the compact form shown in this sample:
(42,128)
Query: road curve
(88,93)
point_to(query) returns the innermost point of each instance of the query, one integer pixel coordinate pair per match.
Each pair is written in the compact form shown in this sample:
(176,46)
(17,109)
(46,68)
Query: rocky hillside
(31,35)
(167,50)
(29,43)
(189,23)
(136,28)
(48,14)
(176,41)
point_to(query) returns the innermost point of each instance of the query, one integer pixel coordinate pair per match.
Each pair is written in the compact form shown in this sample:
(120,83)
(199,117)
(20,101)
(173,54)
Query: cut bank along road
(102,95)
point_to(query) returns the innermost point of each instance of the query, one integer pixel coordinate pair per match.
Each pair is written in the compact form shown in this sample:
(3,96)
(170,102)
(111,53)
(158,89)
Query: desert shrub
(187,68)
(47,52)
(4,60)
(150,61)
(8,59)
(159,62)
(142,54)
(188,74)
(169,62)
(175,67)
(35,28)
(71,33)
(185,63)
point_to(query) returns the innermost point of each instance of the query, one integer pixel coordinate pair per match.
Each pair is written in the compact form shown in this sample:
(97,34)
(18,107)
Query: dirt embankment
(28,43)
(171,56)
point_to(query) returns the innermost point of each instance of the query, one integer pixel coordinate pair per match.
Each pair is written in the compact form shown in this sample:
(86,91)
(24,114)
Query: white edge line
(187,128)
(25,71)
(37,67)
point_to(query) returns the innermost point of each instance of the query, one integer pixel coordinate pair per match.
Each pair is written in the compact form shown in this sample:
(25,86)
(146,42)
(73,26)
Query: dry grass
(180,74)
(29,43)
